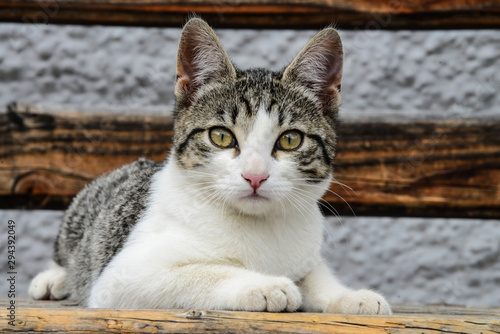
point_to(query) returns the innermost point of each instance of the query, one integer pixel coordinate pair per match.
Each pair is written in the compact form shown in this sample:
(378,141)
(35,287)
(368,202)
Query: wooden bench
(294,14)
(405,168)
(426,168)
(56,317)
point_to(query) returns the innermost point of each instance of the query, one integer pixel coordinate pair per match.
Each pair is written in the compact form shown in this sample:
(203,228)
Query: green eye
(289,140)
(223,138)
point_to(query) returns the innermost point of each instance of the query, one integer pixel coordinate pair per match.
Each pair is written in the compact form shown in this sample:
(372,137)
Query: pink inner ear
(186,68)
(319,67)
(184,79)
(334,73)
(201,59)
(184,84)
(185,59)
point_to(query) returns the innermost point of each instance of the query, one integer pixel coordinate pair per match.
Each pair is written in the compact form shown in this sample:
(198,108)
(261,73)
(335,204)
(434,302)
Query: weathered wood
(56,317)
(439,168)
(359,14)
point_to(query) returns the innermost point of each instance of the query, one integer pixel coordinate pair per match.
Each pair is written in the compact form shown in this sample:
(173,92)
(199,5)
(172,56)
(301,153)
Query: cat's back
(100,219)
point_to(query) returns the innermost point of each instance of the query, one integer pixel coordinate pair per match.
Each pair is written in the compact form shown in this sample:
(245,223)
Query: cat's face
(256,141)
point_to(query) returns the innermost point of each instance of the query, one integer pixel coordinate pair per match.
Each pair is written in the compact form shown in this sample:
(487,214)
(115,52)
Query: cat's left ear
(319,67)
(201,60)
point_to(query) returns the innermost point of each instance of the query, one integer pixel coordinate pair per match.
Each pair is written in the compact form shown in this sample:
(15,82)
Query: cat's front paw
(273,294)
(360,302)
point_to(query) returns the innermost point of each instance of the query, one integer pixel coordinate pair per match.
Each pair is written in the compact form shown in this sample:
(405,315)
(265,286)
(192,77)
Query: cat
(230,220)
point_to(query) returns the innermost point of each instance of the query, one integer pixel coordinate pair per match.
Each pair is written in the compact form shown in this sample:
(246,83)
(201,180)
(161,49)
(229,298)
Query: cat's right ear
(319,67)
(201,59)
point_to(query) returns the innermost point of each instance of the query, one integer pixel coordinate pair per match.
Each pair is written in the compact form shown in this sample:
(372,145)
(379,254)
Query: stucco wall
(454,261)
(435,74)
(438,74)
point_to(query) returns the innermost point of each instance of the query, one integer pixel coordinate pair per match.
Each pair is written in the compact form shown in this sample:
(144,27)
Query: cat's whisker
(333,193)
(214,197)
(193,171)
(325,204)
(276,194)
(199,186)
(328,205)
(205,184)
(297,207)
(342,198)
(335,181)
(299,204)
(200,175)
(211,197)
(282,205)
(225,202)
(321,201)
(332,210)
(343,185)
(339,196)
(303,210)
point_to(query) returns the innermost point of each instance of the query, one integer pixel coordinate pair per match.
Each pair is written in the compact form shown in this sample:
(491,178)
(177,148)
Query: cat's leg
(49,284)
(322,292)
(195,285)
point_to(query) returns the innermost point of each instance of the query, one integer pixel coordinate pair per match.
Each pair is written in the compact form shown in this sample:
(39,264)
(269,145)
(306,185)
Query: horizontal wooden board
(346,14)
(54,317)
(424,168)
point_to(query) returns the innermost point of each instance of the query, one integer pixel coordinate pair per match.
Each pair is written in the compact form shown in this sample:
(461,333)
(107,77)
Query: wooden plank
(56,317)
(424,168)
(398,309)
(346,14)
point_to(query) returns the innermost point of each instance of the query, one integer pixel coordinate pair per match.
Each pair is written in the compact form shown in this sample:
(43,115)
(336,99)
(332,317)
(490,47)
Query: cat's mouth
(253,204)
(256,198)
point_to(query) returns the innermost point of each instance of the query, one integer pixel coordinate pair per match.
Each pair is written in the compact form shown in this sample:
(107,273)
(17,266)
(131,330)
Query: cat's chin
(255,198)
(254,204)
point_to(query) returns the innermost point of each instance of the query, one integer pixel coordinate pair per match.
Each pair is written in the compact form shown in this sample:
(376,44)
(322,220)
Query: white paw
(272,294)
(360,302)
(49,284)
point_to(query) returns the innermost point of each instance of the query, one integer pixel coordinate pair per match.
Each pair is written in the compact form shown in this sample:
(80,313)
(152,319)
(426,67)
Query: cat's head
(256,140)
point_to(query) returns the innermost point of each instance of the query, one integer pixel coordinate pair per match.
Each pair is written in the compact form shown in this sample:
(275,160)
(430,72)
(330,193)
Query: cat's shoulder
(127,186)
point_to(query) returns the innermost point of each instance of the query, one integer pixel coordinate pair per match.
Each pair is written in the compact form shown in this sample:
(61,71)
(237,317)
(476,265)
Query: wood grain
(53,317)
(346,14)
(431,169)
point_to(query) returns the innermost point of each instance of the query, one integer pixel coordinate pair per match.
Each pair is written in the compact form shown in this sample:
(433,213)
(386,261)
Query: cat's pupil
(222,138)
(289,140)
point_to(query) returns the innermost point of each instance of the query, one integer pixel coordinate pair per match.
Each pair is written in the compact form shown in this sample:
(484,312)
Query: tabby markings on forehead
(234,115)
(281,117)
(248,108)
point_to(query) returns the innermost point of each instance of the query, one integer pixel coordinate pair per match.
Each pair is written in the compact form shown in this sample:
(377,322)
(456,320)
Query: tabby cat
(230,220)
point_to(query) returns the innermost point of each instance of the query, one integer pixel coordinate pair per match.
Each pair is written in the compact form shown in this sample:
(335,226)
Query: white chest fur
(179,228)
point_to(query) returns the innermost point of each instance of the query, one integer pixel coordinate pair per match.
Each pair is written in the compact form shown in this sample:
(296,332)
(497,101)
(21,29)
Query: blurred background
(401,74)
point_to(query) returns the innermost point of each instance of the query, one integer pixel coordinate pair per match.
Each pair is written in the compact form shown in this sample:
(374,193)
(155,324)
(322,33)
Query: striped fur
(234,225)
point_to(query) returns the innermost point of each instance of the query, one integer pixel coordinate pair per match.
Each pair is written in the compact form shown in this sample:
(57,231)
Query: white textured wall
(439,74)
(454,261)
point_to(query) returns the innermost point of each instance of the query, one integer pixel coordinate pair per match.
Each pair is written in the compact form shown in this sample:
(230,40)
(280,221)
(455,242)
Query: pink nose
(255,180)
